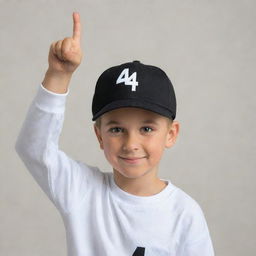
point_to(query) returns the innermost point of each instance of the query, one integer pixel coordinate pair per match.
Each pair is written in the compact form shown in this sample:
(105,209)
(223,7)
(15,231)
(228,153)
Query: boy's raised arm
(64,57)
(62,178)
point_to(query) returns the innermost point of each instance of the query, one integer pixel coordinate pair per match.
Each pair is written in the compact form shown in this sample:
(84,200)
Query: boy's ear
(98,134)
(172,134)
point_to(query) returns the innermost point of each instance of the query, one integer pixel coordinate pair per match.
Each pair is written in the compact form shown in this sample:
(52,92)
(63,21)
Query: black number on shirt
(140,251)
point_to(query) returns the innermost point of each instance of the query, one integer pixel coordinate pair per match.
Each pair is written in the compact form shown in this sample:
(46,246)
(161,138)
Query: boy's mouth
(132,160)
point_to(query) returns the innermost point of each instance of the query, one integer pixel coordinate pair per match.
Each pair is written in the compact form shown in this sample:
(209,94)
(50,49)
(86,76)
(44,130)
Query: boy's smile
(133,140)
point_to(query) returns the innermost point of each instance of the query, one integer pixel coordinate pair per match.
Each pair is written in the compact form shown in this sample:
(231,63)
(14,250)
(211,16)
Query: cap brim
(135,103)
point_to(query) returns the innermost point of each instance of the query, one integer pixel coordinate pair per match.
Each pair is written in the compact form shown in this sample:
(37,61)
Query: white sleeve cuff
(50,101)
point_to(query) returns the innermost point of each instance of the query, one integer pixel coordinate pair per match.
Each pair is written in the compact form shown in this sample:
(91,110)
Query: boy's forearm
(56,82)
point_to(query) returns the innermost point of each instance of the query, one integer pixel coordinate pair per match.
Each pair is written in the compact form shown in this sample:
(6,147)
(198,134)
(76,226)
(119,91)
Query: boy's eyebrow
(148,121)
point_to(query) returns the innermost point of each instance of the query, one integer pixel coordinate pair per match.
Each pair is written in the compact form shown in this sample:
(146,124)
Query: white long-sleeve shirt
(100,218)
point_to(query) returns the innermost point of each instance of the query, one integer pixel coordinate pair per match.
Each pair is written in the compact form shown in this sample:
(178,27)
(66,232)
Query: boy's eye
(114,129)
(117,129)
(146,128)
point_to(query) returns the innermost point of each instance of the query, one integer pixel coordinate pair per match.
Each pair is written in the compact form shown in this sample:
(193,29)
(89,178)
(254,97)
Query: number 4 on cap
(124,77)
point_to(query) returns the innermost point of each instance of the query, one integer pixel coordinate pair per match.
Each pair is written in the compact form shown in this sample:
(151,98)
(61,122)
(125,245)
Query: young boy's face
(133,140)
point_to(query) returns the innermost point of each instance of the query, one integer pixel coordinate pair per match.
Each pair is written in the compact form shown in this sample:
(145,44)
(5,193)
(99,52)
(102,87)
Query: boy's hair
(98,122)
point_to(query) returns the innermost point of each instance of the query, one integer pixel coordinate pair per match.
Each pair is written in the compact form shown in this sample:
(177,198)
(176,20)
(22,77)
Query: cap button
(136,61)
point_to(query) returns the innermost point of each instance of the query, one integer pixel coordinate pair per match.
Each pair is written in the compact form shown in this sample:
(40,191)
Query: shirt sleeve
(63,179)
(196,240)
(202,247)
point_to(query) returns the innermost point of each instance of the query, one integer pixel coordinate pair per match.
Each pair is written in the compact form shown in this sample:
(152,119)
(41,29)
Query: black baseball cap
(134,84)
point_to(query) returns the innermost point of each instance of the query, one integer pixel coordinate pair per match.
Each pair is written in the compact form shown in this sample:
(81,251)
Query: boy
(130,211)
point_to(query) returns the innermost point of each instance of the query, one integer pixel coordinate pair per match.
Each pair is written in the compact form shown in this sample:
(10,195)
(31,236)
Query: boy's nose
(131,142)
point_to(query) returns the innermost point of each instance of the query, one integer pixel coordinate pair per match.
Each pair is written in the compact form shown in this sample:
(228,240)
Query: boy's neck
(143,186)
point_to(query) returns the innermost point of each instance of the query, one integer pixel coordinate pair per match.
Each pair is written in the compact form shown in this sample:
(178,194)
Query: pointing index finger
(76,26)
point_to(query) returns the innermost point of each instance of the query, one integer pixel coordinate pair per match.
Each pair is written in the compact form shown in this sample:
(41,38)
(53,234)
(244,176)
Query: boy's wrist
(56,82)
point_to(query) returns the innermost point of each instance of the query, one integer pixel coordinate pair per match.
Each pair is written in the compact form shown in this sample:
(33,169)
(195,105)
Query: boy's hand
(66,55)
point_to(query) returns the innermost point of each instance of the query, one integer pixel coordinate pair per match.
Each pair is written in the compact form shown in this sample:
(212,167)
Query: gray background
(208,50)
